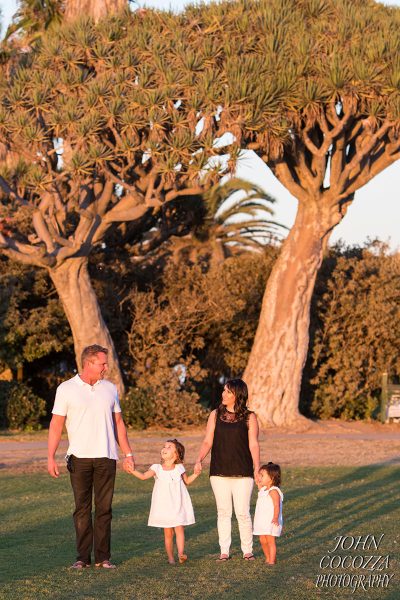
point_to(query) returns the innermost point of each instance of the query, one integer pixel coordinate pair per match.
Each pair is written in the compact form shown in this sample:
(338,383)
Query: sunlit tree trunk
(276,362)
(72,282)
(97,9)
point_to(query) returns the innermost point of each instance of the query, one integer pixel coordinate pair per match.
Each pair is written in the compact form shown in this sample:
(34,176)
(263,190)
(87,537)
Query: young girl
(268,516)
(171,507)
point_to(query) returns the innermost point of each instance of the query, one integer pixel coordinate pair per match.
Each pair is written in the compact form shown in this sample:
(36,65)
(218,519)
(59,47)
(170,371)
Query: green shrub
(355,329)
(20,407)
(137,408)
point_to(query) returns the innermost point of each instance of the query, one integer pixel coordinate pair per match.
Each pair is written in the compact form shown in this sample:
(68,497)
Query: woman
(232,437)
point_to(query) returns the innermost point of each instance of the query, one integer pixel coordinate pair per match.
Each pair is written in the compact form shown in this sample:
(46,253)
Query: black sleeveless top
(230,452)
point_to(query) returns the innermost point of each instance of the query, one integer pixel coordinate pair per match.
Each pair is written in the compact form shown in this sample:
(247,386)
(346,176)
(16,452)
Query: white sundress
(170,503)
(265,511)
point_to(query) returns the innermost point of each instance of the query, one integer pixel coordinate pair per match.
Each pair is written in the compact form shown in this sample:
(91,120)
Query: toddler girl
(268,516)
(171,507)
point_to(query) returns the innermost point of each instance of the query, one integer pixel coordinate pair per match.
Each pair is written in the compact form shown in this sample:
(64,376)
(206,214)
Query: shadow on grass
(38,539)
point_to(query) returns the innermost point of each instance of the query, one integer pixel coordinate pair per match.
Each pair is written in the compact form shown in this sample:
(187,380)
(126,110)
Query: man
(89,406)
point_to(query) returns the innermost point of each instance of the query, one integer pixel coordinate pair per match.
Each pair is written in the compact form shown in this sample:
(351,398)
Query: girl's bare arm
(188,479)
(147,475)
(276,502)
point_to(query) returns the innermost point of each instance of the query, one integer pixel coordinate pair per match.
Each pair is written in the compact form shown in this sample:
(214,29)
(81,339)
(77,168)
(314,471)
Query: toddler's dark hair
(274,471)
(180,450)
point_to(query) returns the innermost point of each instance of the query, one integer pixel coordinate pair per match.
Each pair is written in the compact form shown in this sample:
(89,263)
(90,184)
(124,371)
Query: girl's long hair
(180,451)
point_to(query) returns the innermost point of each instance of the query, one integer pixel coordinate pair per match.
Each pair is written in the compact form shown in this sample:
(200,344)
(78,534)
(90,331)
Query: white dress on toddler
(265,512)
(170,503)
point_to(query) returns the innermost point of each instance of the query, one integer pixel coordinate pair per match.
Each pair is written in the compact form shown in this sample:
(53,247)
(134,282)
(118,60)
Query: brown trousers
(88,475)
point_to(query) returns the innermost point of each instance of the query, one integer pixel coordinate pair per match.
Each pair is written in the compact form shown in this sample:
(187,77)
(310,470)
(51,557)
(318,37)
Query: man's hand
(129,464)
(52,467)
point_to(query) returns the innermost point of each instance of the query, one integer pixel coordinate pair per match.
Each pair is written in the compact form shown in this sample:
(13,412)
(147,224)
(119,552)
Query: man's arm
(122,438)
(55,431)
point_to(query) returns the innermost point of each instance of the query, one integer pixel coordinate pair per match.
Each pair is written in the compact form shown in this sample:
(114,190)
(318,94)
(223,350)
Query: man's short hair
(91,351)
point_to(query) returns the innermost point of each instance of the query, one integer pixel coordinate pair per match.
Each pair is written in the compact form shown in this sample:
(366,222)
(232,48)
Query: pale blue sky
(375,211)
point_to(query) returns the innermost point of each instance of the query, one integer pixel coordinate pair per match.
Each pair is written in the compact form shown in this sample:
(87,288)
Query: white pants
(239,489)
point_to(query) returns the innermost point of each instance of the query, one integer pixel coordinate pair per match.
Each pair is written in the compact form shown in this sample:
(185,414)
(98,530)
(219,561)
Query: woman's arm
(147,475)
(253,442)
(207,442)
(188,479)
(276,502)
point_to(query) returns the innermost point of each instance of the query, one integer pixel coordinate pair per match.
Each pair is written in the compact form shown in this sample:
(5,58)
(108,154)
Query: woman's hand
(257,475)
(198,468)
(275,522)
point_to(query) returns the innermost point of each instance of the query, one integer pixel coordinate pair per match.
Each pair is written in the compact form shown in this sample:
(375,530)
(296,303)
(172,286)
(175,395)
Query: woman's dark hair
(180,450)
(274,471)
(240,391)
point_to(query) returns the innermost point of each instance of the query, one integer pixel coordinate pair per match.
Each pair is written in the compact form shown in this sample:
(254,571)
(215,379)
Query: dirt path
(321,444)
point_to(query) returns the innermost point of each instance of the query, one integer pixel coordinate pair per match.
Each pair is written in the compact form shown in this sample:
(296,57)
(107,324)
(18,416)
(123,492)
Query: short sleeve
(155,468)
(60,403)
(180,468)
(278,490)
(117,406)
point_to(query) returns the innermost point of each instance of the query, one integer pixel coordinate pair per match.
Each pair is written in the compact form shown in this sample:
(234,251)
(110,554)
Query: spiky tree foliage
(313,87)
(92,137)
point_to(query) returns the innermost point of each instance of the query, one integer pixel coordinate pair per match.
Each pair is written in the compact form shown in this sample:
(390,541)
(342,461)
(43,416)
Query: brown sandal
(79,564)
(223,558)
(105,564)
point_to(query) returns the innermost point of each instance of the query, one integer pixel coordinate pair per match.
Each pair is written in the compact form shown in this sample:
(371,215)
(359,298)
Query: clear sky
(375,211)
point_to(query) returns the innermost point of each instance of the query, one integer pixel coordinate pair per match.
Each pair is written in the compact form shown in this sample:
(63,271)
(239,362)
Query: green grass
(37,540)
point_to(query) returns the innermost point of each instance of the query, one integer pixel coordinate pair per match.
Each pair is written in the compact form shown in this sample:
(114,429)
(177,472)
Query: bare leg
(271,549)
(169,543)
(265,547)
(180,542)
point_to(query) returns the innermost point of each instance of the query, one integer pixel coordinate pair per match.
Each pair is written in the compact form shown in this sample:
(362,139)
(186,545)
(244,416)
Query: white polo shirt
(89,410)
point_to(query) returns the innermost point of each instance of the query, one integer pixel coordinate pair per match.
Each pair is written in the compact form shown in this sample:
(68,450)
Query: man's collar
(83,383)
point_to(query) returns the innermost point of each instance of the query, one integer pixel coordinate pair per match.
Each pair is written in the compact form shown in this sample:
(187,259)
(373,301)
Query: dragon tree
(97,130)
(313,87)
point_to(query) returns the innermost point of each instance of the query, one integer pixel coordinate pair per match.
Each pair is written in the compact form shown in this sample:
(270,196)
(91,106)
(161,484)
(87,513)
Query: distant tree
(230,218)
(313,87)
(32,18)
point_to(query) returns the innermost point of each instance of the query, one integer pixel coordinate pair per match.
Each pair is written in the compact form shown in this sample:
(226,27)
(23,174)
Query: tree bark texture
(276,362)
(72,282)
(97,9)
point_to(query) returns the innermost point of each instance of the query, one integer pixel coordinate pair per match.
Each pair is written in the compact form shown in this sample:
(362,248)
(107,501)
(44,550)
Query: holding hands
(198,468)
(128,464)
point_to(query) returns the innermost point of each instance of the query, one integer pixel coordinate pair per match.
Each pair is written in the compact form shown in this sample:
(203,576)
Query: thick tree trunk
(276,361)
(72,282)
(97,9)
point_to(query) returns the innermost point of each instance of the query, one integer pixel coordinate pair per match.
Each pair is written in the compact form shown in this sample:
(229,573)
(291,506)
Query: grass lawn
(37,541)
